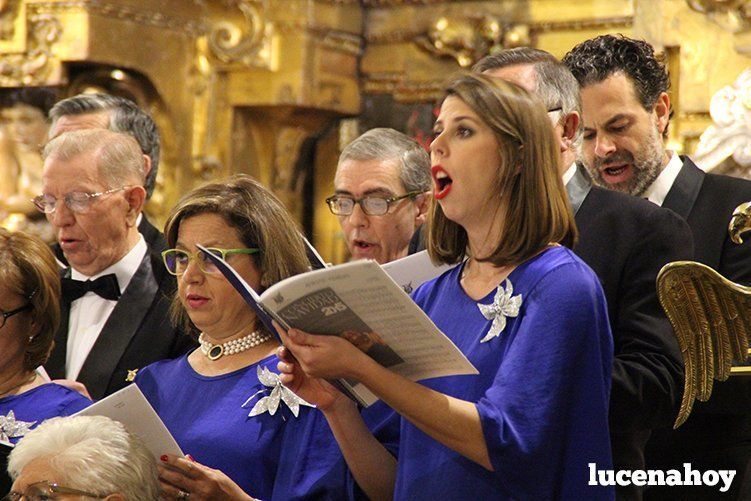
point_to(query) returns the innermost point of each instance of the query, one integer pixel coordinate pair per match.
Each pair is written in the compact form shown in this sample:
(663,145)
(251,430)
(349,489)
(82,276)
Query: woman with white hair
(82,456)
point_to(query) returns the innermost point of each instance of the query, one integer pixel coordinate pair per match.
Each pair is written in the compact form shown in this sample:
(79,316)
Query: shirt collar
(569,173)
(123,269)
(659,189)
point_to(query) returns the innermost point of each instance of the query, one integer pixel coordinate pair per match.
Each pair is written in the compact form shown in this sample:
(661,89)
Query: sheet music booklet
(362,303)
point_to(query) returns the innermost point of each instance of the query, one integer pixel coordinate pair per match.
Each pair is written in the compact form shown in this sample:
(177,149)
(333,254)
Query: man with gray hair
(103,111)
(626,241)
(381,193)
(115,313)
(83,457)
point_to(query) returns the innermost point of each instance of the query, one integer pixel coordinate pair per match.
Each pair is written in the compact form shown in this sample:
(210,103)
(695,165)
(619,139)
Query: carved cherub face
(26,125)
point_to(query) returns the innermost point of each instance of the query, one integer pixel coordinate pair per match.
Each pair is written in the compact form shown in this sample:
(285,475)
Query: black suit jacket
(626,241)
(137,333)
(717,435)
(154,239)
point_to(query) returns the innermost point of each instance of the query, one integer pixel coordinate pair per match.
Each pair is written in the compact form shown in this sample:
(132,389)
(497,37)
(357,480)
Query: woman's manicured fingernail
(164,457)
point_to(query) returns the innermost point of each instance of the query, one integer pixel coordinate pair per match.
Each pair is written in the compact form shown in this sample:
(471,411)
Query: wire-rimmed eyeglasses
(77,201)
(45,491)
(372,205)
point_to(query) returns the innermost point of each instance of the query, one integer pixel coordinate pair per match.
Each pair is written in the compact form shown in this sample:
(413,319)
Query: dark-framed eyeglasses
(7,314)
(557,108)
(177,260)
(46,491)
(372,205)
(77,201)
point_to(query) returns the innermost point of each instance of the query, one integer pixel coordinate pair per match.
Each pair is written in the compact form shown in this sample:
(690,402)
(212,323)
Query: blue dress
(40,403)
(270,457)
(541,393)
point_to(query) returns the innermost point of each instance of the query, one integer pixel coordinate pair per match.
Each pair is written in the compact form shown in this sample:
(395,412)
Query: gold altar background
(275,88)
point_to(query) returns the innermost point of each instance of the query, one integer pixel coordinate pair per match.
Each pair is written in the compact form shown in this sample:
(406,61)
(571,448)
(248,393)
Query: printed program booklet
(130,407)
(360,302)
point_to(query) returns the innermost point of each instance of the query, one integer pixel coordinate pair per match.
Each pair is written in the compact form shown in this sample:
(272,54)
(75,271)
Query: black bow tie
(105,286)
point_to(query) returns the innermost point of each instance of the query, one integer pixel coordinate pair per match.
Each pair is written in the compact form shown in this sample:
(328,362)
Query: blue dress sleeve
(545,413)
(70,401)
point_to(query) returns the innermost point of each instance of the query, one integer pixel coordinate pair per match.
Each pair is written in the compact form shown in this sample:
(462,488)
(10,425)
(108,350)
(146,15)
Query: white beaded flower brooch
(279,393)
(10,427)
(503,305)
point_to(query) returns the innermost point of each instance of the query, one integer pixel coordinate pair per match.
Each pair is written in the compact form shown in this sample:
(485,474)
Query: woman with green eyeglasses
(216,400)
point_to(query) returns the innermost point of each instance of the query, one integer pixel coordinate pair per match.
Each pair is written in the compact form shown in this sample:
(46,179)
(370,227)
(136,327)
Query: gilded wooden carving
(711,317)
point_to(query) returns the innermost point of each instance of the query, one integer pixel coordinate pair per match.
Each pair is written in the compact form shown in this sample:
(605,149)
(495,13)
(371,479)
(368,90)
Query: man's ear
(115,497)
(146,166)
(662,110)
(421,202)
(570,127)
(135,196)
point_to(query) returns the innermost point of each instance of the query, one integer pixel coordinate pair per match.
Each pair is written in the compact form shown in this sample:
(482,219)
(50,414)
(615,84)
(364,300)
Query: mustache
(614,159)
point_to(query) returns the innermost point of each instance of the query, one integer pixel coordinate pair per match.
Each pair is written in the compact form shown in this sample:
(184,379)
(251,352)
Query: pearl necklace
(217,351)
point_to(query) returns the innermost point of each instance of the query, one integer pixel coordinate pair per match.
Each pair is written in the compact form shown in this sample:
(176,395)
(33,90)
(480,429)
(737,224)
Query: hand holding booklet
(360,302)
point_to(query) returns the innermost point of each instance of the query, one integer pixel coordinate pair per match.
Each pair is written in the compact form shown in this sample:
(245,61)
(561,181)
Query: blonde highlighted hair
(28,269)
(261,221)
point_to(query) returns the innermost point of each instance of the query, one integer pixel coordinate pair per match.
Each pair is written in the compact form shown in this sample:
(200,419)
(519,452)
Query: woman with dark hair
(526,311)
(29,317)
(223,402)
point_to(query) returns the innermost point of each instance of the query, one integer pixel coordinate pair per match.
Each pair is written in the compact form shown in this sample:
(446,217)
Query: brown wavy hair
(28,268)
(528,183)
(261,221)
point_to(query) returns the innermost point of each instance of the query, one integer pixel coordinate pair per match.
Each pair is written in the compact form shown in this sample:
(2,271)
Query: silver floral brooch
(504,305)
(12,428)
(279,393)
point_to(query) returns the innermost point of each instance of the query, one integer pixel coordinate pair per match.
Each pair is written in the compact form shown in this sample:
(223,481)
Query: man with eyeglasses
(115,311)
(626,241)
(381,193)
(103,111)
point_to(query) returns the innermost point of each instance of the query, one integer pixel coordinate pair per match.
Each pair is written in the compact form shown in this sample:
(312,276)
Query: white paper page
(43,374)
(412,271)
(131,408)
(359,299)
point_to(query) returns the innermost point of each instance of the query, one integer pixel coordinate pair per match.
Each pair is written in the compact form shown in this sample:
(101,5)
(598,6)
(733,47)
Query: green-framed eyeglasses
(176,260)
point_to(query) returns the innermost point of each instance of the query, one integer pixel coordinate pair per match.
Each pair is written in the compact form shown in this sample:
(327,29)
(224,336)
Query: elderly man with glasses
(381,193)
(115,315)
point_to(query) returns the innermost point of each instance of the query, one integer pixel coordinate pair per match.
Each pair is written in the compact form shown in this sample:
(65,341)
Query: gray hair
(90,453)
(555,85)
(124,116)
(388,144)
(119,159)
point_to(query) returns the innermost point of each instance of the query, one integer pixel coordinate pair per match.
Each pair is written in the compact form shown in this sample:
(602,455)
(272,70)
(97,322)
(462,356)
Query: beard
(646,163)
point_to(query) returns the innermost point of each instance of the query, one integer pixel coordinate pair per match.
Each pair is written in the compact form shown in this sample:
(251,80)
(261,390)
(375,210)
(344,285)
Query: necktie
(105,286)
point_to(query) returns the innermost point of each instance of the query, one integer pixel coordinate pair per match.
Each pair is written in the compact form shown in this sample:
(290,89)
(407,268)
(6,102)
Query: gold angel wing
(740,223)
(711,317)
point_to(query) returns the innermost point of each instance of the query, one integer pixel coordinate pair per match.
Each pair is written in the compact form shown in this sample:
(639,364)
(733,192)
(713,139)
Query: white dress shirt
(659,189)
(569,173)
(90,312)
